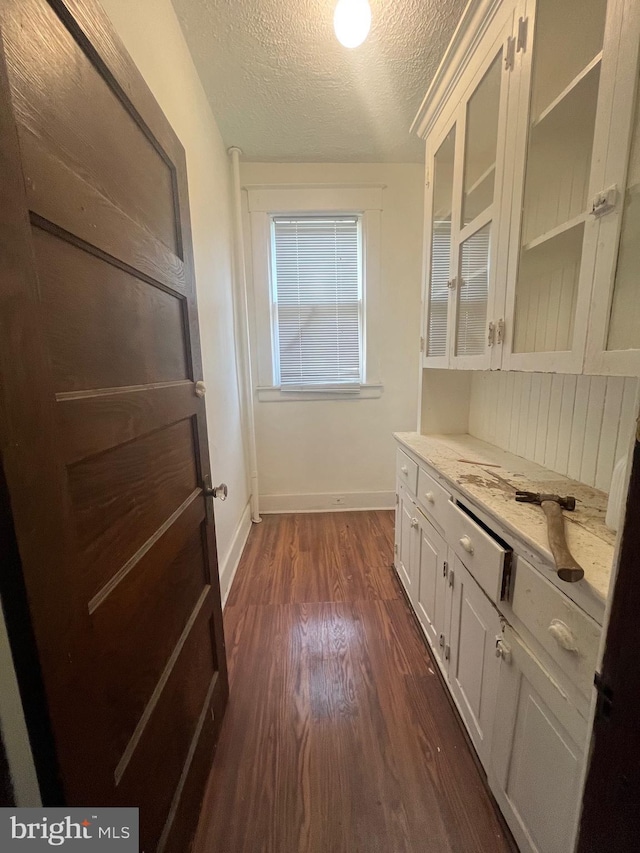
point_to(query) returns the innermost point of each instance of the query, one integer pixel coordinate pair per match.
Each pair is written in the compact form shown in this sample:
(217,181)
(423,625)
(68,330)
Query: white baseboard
(327,502)
(229,565)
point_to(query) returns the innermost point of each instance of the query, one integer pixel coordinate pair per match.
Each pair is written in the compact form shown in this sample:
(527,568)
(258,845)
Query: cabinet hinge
(421,344)
(397,500)
(523,27)
(510,53)
(500,331)
(395,548)
(441,641)
(604,201)
(445,569)
(451,578)
(604,703)
(491,334)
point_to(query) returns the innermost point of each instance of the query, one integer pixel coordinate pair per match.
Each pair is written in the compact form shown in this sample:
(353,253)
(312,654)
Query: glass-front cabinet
(533,204)
(465,168)
(557,172)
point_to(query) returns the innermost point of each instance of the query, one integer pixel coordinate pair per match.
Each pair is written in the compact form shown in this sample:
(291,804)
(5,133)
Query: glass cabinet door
(473,239)
(550,244)
(440,254)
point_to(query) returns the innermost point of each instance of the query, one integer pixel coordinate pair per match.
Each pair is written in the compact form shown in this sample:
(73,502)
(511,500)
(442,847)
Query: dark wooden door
(103,436)
(611,804)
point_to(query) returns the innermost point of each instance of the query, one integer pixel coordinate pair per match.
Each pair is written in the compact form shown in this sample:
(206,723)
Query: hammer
(552,505)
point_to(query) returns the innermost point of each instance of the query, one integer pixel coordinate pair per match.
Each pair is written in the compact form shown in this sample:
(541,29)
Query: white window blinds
(317,302)
(473,293)
(439,289)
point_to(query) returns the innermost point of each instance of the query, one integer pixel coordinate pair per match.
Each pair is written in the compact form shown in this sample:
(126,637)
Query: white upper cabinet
(533,172)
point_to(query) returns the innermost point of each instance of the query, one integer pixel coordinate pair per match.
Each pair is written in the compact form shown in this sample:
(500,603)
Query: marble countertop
(489,477)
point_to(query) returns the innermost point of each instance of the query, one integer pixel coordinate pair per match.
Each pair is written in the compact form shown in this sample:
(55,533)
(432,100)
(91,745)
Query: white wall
(152,35)
(310,453)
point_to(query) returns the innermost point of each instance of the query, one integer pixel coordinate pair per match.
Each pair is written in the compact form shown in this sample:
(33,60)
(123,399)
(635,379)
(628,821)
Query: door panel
(102,435)
(432,584)
(85,297)
(407,544)
(86,127)
(537,753)
(474,667)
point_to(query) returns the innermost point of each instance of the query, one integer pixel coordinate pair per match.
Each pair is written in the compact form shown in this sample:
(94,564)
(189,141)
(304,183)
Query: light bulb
(352,21)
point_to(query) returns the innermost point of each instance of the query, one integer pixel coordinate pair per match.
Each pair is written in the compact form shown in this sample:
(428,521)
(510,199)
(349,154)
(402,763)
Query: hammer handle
(566,566)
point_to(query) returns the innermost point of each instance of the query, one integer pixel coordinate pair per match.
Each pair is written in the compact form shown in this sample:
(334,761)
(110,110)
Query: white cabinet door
(473,665)
(613,344)
(565,72)
(466,234)
(432,585)
(408,542)
(537,753)
(476,217)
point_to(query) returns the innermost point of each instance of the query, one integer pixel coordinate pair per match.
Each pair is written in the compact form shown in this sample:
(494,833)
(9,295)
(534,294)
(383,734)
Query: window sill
(273,394)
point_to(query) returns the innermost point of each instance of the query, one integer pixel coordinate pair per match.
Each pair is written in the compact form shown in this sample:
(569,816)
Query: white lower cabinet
(525,717)
(537,752)
(431,597)
(473,665)
(406,541)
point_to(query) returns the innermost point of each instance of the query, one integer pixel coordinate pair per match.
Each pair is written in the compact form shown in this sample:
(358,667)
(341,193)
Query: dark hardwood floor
(338,737)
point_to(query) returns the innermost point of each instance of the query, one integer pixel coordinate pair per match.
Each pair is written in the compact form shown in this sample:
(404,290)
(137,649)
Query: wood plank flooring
(338,737)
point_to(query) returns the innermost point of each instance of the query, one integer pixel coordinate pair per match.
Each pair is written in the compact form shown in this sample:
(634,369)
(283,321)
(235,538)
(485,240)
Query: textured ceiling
(282,87)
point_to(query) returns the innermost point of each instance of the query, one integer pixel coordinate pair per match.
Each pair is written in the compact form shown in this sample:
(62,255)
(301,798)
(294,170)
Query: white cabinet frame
(622,39)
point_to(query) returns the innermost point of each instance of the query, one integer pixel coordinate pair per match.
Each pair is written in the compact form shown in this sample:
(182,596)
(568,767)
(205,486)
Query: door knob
(221,492)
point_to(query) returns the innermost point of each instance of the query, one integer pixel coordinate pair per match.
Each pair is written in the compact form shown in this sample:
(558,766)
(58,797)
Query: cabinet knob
(467,544)
(414,522)
(430,497)
(503,650)
(563,635)
(404,469)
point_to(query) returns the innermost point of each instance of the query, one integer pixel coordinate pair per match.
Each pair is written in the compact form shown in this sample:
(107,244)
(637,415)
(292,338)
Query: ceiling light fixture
(352,22)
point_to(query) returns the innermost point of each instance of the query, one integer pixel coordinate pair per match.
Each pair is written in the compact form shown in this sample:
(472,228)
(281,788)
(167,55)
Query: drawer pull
(467,544)
(404,469)
(563,635)
(430,497)
(414,522)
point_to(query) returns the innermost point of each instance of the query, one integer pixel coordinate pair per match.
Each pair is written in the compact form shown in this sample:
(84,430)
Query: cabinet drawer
(480,553)
(407,471)
(564,631)
(433,498)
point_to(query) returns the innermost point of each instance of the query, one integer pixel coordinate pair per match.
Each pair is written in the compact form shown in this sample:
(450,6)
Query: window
(315,276)
(317,306)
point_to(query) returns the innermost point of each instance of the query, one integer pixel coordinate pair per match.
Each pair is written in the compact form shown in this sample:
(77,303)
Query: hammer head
(537,498)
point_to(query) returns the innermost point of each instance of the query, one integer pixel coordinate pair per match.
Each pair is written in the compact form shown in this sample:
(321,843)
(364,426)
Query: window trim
(268,201)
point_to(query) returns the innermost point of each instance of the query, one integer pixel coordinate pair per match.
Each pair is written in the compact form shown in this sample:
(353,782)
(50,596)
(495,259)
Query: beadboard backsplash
(577,425)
